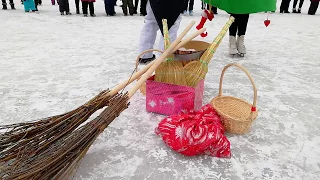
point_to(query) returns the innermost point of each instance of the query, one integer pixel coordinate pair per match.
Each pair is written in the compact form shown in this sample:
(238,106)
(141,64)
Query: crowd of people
(130,7)
(237,30)
(285,5)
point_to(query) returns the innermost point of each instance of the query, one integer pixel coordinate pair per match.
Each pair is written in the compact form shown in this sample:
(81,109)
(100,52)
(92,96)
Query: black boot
(4,6)
(146,60)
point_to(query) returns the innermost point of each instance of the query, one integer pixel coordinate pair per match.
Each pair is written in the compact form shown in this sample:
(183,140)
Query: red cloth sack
(195,132)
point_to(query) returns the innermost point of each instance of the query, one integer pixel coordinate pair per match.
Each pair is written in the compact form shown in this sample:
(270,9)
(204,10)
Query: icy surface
(51,64)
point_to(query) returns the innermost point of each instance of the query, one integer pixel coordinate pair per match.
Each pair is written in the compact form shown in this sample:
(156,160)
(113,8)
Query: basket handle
(250,77)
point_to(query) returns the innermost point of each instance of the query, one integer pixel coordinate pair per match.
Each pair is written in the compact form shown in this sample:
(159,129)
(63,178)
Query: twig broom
(59,159)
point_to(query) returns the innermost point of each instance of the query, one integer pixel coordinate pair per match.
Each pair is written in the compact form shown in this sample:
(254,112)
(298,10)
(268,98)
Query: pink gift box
(169,99)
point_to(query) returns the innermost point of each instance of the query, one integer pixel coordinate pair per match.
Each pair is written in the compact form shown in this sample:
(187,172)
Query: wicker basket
(236,114)
(143,87)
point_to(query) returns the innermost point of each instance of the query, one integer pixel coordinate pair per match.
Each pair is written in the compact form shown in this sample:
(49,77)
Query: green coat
(243,6)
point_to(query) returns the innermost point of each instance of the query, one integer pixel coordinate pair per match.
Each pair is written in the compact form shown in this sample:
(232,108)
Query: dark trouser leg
(186,2)
(301,3)
(67,6)
(282,6)
(62,5)
(191,3)
(287,5)
(77,6)
(313,7)
(4,4)
(125,7)
(36,2)
(234,26)
(131,7)
(215,10)
(143,7)
(242,24)
(136,2)
(295,2)
(91,8)
(85,7)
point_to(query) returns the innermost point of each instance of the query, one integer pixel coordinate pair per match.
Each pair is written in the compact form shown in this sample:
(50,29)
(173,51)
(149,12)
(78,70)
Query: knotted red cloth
(195,132)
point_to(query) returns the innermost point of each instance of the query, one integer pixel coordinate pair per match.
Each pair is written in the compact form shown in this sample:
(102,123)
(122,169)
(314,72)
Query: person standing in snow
(156,11)
(29,6)
(239,27)
(240,10)
(109,7)
(85,4)
(64,7)
(4,4)
(77,2)
(313,7)
(143,7)
(295,2)
(127,4)
(191,3)
(284,8)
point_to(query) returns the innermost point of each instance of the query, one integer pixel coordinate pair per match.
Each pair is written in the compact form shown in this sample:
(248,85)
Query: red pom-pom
(253,109)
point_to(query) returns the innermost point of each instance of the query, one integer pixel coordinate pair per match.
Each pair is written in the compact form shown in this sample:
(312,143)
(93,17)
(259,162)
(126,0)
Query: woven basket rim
(227,115)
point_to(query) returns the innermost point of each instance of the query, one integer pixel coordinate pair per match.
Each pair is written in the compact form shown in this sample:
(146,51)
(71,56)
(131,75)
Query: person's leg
(301,4)
(67,7)
(143,7)
(282,6)
(185,8)
(148,33)
(91,9)
(62,6)
(214,9)
(4,5)
(85,8)
(191,4)
(242,28)
(232,35)
(242,24)
(287,6)
(36,3)
(131,7)
(234,26)
(313,7)
(125,7)
(32,5)
(12,4)
(77,6)
(136,3)
(295,2)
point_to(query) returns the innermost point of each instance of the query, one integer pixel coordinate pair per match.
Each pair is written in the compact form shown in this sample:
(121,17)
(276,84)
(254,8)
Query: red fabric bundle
(195,132)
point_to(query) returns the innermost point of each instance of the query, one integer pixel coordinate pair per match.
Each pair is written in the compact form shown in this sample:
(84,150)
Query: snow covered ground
(51,64)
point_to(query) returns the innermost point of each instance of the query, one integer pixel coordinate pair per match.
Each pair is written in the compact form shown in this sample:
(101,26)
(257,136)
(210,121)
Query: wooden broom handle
(136,75)
(248,74)
(159,60)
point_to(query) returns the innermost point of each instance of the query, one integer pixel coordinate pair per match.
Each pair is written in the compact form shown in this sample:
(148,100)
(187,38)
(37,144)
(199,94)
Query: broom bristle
(47,134)
(171,72)
(194,72)
(61,157)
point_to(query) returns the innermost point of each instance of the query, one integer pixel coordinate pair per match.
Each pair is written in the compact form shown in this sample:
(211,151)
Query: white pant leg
(148,33)
(172,33)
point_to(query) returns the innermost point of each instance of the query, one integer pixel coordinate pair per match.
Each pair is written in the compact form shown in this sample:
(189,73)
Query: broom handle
(248,74)
(159,60)
(136,75)
(216,42)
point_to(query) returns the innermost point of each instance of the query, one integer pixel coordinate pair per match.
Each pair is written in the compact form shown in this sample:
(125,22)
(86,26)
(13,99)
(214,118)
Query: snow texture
(50,64)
